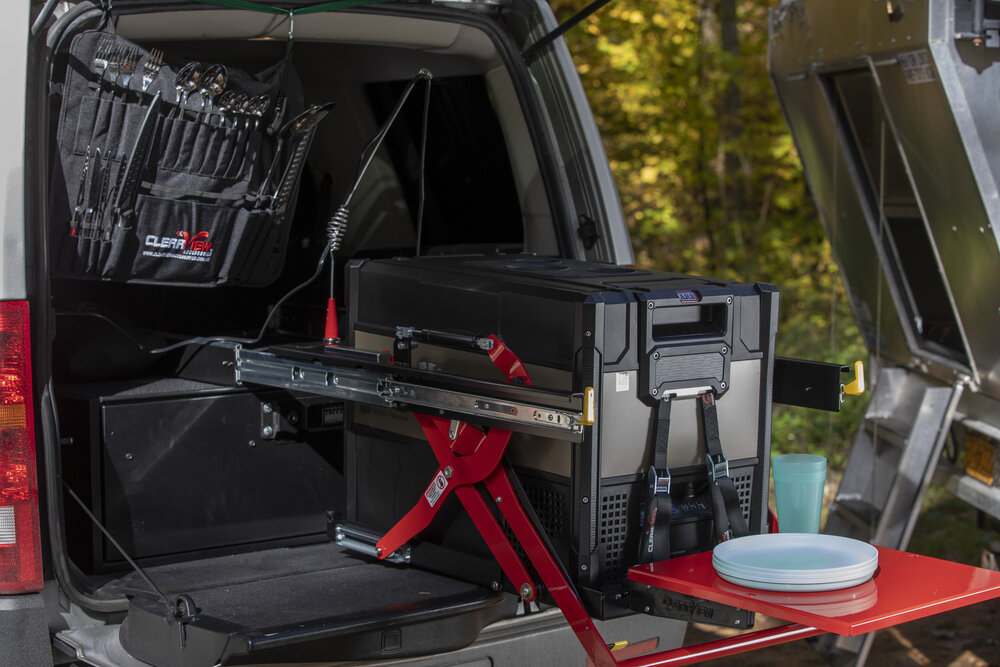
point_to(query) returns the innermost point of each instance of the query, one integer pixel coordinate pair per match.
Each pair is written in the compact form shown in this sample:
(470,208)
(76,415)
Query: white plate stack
(795,562)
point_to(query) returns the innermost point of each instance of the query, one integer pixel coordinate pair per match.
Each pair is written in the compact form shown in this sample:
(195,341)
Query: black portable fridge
(632,335)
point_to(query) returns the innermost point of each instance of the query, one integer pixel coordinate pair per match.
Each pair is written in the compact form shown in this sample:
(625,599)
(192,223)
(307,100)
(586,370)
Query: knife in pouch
(128,191)
(298,132)
(107,221)
(93,197)
(80,195)
(102,199)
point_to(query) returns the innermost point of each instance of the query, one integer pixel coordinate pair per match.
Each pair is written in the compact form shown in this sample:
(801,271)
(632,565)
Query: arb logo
(688,297)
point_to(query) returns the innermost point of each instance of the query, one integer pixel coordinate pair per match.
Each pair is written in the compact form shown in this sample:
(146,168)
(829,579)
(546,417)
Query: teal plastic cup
(798,491)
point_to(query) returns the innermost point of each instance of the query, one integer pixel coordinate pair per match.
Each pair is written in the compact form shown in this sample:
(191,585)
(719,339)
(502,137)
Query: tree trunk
(731,194)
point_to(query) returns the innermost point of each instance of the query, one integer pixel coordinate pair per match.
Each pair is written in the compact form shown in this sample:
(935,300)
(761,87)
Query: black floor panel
(307,603)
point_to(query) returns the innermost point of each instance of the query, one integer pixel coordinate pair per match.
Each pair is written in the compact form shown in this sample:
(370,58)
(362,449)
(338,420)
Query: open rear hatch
(194,511)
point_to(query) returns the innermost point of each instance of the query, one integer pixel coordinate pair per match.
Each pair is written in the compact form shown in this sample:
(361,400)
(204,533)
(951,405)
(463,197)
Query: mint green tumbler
(798,491)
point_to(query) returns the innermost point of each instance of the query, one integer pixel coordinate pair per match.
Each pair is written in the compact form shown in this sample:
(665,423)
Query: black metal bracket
(278,418)
(182,612)
(982,31)
(587,231)
(668,604)
(808,384)
(401,350)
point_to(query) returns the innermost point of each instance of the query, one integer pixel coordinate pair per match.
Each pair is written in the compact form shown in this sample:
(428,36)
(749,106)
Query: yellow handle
(589,407)
(857,387)
(617,646)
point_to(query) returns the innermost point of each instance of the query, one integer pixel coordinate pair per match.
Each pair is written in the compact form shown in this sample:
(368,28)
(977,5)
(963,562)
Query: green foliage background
(709,177)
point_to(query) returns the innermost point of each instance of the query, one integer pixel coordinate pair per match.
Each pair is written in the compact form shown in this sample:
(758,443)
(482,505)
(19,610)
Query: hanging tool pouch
(154,188)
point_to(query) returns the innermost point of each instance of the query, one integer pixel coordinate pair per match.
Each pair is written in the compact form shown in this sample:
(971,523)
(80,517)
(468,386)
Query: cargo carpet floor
(297,585)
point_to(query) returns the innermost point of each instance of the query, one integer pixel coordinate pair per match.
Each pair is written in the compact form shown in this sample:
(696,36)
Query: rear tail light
(20,548)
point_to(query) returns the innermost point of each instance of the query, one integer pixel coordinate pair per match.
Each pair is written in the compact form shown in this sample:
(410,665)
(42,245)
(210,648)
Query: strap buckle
(718,465)
(659,481)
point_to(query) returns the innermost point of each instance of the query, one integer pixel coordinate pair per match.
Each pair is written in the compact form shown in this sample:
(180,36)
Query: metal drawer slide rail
(334,376)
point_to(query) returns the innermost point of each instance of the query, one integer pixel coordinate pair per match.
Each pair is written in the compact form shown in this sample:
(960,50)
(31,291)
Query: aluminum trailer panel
(893,110)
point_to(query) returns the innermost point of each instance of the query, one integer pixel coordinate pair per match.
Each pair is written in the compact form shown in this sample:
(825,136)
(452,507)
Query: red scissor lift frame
(906,586)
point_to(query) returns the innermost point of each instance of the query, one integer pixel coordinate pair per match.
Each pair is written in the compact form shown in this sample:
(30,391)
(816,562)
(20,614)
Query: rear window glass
(471,199)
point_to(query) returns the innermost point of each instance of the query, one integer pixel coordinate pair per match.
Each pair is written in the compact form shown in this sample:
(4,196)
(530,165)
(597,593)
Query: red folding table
(905,587)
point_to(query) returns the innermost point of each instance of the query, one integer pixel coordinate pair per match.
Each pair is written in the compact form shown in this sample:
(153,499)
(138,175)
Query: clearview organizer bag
(173,172)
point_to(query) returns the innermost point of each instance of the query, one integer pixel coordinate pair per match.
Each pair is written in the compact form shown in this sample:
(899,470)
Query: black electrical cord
(369,151)
(337,226)
(104,318)
(202,340)
(423,172)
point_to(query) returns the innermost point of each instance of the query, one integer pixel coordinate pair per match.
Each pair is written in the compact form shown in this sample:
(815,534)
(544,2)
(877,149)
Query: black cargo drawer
(173,468)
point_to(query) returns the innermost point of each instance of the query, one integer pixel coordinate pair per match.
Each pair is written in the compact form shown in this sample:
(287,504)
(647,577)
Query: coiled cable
(336,228)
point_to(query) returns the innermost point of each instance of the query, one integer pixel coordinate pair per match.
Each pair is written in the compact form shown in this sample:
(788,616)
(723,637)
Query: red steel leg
(691,655)
(497,541)
(454,472)
(458,474)
(549,570)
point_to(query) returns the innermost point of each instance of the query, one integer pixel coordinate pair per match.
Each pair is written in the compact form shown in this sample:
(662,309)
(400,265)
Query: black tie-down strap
(729,521)
(654,543)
